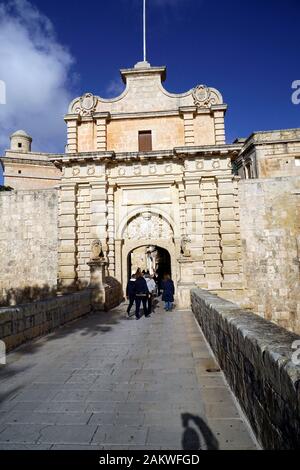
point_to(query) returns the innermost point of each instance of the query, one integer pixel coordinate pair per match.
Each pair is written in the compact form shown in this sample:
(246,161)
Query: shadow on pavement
(200,439)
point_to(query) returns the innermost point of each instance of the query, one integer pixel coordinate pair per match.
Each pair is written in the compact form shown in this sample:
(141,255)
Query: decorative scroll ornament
(203,97)
(87,105)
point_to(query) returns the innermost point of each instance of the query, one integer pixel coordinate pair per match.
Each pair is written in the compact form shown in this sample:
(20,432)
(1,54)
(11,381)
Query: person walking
(130,293)
(152,290)
(168,292)
(141,295)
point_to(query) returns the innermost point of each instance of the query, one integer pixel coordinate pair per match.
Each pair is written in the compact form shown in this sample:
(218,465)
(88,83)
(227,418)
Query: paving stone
(102,418)
(164,437)
(21,434)
(64,434)
(7,446)
(121,435)
(232,434)
(72,447)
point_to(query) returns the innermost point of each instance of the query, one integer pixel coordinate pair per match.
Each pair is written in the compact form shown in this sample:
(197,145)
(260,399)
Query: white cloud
(114,88)
(36,70)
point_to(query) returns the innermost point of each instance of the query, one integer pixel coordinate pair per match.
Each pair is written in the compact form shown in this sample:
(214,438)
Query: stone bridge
(214,377)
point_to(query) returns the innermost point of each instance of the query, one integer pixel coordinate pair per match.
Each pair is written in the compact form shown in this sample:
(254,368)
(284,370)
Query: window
(20,172)
(145,141)
(19,145)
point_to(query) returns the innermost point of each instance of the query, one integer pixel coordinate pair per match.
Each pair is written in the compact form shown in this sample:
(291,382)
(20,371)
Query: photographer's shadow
(200,439)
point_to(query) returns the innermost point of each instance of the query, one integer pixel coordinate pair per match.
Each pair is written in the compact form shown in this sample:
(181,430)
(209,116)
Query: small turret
(20,141)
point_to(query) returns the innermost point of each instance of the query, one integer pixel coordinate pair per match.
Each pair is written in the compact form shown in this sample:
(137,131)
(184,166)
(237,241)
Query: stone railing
(25,322)
(256,358)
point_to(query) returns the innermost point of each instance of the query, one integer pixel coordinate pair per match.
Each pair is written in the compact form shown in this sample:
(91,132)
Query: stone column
(230,231)
(97,283)
(101,124)
(188,113)
(111,231)
(118,255)
(212,242)
(72,133)
(194,228)
(182,210)
(67,237)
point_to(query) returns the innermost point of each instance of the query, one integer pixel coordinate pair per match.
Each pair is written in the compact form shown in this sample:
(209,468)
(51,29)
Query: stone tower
(24,169)
(20,141)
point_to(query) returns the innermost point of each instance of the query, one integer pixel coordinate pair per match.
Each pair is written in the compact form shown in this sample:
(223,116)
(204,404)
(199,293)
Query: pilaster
(194,228)
(188,114)
(67,261)
(72,133)
(212,242)
(230,231)
(111,230)
(101,129)
(98,221)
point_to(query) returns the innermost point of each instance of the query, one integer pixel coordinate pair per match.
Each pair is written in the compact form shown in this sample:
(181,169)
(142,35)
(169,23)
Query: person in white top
(152,291)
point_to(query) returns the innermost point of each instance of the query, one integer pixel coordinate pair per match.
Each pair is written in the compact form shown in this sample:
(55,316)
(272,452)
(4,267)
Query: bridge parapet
(260,364)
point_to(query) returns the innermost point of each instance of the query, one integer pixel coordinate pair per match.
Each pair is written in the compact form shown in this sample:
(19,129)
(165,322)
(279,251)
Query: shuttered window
(145,141)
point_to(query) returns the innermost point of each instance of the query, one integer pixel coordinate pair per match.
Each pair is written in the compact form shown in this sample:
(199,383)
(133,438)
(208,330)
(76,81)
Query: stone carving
(200,165)
(96,250)
(153,169)
(185,251)
(204,97)
(168,169)
(87,105)
(152,258)
(216,164)
(76,171)
(201,95)
(149,226)
(91,170)
(137,171)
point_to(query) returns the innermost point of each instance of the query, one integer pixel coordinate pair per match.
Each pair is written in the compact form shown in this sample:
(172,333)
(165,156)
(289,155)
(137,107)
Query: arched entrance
(152,259)
(143,235)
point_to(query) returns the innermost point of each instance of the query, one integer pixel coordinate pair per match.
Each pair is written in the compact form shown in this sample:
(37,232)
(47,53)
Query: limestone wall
(256,357)
(28,244)
(26,322)
(270,233)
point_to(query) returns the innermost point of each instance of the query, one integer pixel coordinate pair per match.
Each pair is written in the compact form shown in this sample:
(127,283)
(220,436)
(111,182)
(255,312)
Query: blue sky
(50,53)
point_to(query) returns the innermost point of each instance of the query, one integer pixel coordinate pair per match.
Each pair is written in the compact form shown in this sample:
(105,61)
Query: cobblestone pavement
(106,382)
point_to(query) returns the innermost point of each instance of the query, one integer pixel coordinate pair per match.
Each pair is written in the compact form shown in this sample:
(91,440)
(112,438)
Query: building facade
(150,169)
(270,154)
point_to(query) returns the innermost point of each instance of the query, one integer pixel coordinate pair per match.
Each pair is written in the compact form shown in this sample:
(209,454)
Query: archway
(153,259)
(147,230)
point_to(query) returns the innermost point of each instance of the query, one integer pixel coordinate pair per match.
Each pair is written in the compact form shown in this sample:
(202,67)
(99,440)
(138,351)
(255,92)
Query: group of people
(142,288)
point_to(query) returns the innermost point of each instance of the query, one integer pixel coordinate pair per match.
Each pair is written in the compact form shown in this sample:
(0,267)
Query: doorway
(152,259)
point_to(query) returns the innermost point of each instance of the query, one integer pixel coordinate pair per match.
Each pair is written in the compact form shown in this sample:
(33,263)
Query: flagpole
(144,18)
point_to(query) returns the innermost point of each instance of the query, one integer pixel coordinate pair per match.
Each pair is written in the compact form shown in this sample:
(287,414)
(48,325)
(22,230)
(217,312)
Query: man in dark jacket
(130,293)
(168,292)
(141,295)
